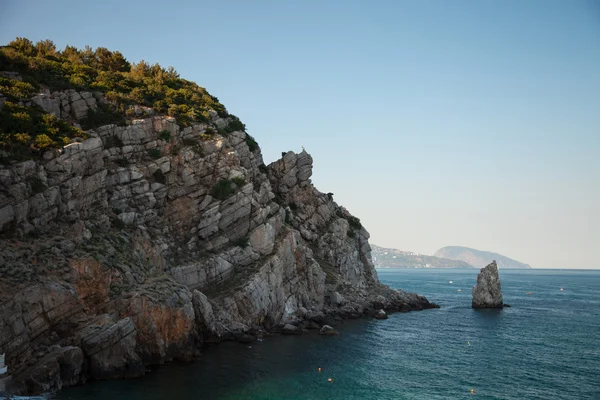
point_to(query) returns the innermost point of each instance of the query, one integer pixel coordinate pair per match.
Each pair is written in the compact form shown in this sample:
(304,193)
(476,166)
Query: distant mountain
(394,258)
(478,258)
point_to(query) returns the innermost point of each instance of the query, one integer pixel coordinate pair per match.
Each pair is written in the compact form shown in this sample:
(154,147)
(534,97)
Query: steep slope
(478,258)
(394,258)
(137,242)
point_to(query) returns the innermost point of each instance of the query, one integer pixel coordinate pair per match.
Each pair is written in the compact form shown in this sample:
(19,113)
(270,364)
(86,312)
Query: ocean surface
(547,346)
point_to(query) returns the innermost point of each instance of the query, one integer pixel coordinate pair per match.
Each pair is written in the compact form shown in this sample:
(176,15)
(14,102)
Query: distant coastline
(478,258)
(393,258)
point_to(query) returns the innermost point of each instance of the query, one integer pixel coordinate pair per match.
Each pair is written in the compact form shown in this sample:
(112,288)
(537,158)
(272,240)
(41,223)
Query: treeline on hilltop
(25,129)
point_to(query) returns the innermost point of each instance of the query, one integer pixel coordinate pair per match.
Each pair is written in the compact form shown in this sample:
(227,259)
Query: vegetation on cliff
(25,129)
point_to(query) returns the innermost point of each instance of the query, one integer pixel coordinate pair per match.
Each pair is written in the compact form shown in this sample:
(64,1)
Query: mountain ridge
(478,258)
(393,258)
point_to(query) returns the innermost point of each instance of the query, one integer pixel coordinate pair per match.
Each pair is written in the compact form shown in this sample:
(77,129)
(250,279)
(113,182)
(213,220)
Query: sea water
(546,346)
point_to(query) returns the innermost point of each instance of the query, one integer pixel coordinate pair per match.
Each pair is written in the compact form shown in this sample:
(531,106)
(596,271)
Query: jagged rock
(316,316)
(380,314)
(110,348)
(337,300)
(301,312)
(327,330)
(487,293)
(49,103)
(205,319)
(60,368)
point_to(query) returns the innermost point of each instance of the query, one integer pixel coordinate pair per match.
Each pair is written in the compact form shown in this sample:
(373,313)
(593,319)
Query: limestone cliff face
(137,245)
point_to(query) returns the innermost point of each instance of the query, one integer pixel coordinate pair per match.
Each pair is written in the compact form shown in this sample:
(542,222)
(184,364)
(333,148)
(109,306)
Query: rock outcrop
(487,293)
(134,247)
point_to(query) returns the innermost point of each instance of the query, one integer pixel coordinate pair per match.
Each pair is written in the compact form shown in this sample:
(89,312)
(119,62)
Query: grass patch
(354,222)
(113,141)
(159,176)
(103,115)
(223,189)
(190,142)
(36,184)
(239,181)
(164,135)
(155,153)
(252,144)
(241,242)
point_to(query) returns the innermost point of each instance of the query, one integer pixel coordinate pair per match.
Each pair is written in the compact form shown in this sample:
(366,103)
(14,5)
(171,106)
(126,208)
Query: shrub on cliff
(122,83)
(28,130)
(354,222)
(226,187)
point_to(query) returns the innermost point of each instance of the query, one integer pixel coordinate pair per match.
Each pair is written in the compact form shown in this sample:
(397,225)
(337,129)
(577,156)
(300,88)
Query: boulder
(336,299)
(380,314)
(301,312)
(60,368)
(327,330)
(290,329)
(242,337)
(487,293)
(111,349)
(316,316)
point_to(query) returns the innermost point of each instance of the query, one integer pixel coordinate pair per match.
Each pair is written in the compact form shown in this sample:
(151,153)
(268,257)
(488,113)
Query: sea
(546,346)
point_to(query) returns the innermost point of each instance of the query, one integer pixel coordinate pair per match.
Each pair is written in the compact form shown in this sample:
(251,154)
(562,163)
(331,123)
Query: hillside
(478,258)
(394,258)
(138,222)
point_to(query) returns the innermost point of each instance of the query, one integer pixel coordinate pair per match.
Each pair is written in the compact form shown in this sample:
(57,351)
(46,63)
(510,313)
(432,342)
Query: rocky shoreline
(144,242)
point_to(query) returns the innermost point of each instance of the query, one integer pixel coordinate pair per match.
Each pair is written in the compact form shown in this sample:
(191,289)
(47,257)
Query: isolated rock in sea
(487,293)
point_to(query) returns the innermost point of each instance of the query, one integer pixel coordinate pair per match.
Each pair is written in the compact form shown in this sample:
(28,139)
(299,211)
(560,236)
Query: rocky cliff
(140,243)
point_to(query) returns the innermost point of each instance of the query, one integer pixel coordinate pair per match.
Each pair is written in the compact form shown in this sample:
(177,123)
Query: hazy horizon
(467,123)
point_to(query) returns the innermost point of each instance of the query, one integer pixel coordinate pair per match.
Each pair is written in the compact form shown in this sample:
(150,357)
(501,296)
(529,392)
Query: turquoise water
(547,346)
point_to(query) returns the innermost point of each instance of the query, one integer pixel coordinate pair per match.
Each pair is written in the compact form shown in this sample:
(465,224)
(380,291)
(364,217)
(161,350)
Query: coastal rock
(327,330)
(138,260)
(290,329)
(110,348)
(60,368)
(487,293)
(337,300)
(380,314)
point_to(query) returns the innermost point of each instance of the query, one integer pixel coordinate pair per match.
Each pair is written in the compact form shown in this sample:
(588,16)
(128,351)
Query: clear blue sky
(473,123)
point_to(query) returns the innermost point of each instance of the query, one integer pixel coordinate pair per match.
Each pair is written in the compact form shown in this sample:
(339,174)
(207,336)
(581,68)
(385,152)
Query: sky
(469,122)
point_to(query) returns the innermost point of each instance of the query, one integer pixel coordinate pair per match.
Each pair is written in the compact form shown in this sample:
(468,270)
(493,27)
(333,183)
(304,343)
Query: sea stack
(487,293)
